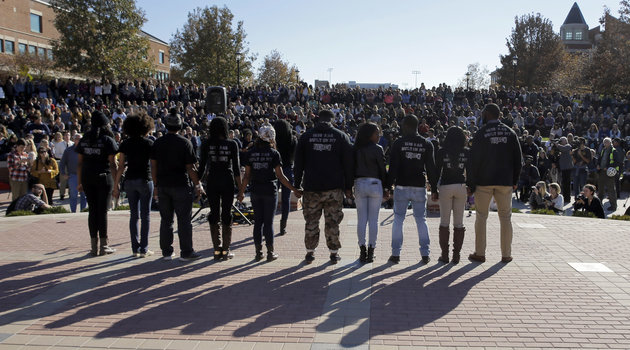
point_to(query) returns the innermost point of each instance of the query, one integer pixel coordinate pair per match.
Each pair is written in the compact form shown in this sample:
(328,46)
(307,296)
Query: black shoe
(370,255)
(395,259)
(271,256)
(309,258)
(227,255)
(190,257)
(217,254)
(62,197)
(363,254)
(258,256)
(334,258)
(426,259)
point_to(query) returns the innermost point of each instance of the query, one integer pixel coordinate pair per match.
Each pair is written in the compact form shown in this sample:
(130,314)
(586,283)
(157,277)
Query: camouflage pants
(331,203)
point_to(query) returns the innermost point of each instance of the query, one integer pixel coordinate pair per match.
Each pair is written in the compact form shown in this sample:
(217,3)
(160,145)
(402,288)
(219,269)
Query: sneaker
(191,257)
(395,259)
(309,258)
(168,257)
(135,255)
(147,253)
(107,250)
(334,258)
(271,256)
(426,259)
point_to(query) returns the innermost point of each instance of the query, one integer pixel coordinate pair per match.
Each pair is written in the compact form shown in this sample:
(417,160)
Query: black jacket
(411,158)
(219,162)
(323,159)
(452,171)
(496,157)
(369,161)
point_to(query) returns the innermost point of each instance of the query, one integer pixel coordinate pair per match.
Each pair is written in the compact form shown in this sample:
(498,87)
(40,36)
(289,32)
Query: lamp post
(514,63)
(297,76)
(467,80)
(238,69)
(416,73)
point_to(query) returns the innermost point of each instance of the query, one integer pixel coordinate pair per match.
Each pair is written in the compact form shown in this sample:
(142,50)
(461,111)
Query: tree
(479,77)
(29,65)
(538,50)
(101,38)
(609,71)
(275,70)
(209,46)
(571,76)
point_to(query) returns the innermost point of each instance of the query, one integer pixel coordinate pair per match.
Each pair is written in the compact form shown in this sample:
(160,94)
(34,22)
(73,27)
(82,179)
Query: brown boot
(444,236)
(94,250)
(458,242)
(227,240)
(216,240)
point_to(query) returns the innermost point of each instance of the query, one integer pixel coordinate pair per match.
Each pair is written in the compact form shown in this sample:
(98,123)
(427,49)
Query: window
(568,36)
(161,57)
(32,49)
(49,54)
(41,52)
(21,48)
(36,23)
(1,45)
(9,47)
(578,35)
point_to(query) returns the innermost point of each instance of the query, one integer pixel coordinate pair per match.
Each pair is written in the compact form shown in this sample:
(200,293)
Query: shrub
(621,217)
(122,207)
(584,214)
(21,213)
(543,212)
(514,210)
(56,210)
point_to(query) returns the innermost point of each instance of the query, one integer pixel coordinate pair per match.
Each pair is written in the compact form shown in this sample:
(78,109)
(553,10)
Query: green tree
(538,50)
(609,71)
(275,70)
(101,38)
(479,77)
(209,46)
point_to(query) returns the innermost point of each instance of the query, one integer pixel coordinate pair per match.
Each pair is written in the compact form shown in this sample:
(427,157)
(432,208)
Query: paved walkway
(52,296)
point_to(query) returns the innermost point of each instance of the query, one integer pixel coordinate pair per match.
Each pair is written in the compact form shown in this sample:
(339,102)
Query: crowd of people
(577,146)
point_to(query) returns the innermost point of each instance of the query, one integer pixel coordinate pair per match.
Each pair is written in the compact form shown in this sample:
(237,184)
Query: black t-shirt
(172,153)
(95,157)
(263,162)
(137,151)
(452,167)
(220,160)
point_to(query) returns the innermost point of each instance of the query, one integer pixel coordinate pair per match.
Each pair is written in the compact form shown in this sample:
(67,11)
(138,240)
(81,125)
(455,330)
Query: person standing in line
(263,168)
(19,168)
(138,185)
(566,166)
(172,170)
(68,170)
(411,162)
(496,161)
(95,165)
(59,146)
(451,162)
(220,166)
(285,144)
(370,178)
(608,168)
(323,168)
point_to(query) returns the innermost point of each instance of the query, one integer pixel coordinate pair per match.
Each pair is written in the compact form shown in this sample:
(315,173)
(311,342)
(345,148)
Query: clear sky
(376,41)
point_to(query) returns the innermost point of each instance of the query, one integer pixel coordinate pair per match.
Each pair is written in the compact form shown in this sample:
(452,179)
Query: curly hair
(137,125)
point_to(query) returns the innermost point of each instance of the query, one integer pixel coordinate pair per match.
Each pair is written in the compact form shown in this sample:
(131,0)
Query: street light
(467,80)
(416,73)
(514,63)
(297,76)
(330,76)
(238,69)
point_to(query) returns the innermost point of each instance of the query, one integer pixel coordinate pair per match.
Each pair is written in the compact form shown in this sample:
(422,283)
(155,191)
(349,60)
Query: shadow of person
(420,298)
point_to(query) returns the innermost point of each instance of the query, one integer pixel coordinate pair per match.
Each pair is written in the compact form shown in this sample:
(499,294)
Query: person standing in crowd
(285,144)
(496,161)
(95,165)
(566,166)
(581,159)
(370,179)
(323,168)
(220,166)
(589,202)
(262,169)
(138,184)
(172,170)
(411,162)
(451,162)
(608,158)
(19,168)
(68,171)
(45,169)
(59,146)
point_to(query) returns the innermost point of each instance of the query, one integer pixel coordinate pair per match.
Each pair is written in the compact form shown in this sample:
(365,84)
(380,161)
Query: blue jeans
(139,193)
(403,195)
(368,194)
(264,209)
(72,189)
(286,192)
(176,200)
(579,180)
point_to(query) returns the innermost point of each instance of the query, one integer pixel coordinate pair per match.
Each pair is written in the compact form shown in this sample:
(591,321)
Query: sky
(371,41)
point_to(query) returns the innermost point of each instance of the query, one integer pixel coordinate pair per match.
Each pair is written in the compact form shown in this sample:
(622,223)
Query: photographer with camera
(219,162)
(608,168)
(555,201)
(588,201)
(538,196)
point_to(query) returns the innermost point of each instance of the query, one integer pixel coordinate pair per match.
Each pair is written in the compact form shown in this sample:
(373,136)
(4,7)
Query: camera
(580,197)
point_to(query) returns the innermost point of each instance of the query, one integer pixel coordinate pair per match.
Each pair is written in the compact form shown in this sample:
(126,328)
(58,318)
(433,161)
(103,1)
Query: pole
(238,72)
(416,73)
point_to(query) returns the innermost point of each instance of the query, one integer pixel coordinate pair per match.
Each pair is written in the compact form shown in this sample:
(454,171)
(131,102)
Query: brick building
(575,33)
(27,26)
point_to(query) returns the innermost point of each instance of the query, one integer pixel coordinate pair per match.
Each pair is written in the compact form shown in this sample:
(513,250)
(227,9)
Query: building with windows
(575,33)
(27,26)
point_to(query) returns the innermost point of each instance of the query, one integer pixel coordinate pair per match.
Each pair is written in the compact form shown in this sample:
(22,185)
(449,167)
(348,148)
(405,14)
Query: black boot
(216,241)
(94,250)
(283,227)
(271,255)
(363,254)
(370,254)
(444,236)
(458,242)
(259,253)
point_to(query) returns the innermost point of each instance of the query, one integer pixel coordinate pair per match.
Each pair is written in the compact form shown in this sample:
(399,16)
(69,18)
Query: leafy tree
(538,49)
(610,69)
(101,38)
(571,76)
(479,77)
(275,70)
(28,65)
(207,48)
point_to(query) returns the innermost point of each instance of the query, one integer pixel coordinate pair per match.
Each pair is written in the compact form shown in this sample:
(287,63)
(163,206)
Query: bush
(584,214)
(56,210)
(514,210)
(85,210)
(196,205)
(122,207)
(621,217)
(21,213)
(543,212)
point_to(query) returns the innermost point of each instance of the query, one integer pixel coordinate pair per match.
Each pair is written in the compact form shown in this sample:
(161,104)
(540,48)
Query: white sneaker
(147,253)
(136,255)
(169,257)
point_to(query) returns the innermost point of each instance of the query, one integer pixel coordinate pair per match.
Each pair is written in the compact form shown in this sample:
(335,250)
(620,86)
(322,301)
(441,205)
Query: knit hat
(267,133)
(173,120)
(99,119)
